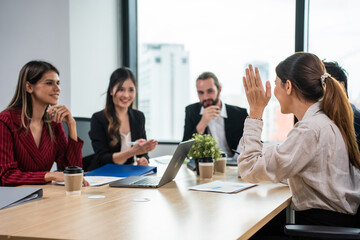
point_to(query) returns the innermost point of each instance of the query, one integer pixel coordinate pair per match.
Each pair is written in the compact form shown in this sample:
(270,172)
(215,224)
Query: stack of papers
(222,187)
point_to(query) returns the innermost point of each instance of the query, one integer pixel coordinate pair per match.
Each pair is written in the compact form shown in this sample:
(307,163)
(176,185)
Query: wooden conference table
(173,212)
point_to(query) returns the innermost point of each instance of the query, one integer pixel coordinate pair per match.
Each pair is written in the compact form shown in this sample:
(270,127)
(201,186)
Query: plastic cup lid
(73,169)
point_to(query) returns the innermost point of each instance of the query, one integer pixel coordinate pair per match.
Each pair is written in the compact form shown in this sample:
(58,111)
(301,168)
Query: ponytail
(308,75)
(337,107)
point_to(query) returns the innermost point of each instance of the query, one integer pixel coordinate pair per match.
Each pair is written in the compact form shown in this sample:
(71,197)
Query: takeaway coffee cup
(206,168)
(73,180)
(220,163)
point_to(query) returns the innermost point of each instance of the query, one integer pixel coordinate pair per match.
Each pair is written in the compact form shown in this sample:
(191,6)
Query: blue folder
(116,170)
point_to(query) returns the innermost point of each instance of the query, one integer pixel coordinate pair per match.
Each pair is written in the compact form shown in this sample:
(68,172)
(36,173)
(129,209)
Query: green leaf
(204,145)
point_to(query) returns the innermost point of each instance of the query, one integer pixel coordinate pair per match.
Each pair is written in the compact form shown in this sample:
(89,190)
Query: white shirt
(125,140)
(217,129)
(314,159)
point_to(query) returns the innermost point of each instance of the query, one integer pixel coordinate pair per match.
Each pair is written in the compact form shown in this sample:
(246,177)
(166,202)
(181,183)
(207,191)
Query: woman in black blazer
(118,132)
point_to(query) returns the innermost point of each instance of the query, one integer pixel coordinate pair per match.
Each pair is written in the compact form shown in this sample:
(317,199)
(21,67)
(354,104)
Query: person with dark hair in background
(319,159)
(32,136)
(212,116)
(118,132)
(339,73)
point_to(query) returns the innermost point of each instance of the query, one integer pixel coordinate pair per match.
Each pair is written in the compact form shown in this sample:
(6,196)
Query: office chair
(83,128)
(323,232)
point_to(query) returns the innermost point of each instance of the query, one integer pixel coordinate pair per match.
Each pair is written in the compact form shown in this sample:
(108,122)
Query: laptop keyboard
(148,181)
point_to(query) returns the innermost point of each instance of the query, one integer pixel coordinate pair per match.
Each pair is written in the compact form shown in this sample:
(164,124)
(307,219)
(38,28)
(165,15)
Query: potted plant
(204,148)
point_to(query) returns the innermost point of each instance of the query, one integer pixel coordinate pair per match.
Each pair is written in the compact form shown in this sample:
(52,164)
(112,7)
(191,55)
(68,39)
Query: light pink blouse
(313,158)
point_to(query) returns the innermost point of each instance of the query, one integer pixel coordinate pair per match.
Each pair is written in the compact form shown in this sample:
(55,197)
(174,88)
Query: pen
(134,143)
(235,151)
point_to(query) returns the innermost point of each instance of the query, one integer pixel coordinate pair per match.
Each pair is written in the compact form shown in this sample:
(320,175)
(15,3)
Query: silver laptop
(155,181)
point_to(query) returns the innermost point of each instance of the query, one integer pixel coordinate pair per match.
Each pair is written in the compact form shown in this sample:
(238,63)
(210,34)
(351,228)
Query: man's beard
(210,102)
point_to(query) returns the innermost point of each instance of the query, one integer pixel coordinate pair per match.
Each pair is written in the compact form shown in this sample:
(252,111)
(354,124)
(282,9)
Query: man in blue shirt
(337,72)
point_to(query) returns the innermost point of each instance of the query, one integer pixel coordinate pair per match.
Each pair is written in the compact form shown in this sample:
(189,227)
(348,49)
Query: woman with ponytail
(320,158)
(118,132)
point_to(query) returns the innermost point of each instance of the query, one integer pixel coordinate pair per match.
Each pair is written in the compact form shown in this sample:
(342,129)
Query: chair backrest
(83,128)
(325,232)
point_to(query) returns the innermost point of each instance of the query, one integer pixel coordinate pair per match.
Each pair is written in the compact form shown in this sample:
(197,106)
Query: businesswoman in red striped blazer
(31,133)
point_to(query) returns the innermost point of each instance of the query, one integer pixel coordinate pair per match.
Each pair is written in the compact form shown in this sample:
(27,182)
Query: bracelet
(260,119)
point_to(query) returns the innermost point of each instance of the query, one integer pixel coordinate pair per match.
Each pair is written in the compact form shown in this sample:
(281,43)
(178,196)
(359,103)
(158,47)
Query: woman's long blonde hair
(31,72)
(305,71)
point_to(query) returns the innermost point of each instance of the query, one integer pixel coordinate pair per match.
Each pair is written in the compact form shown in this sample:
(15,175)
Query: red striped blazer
(22,162)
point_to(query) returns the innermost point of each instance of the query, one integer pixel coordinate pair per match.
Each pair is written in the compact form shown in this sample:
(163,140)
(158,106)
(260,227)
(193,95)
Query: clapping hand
(257,97)
(143,146)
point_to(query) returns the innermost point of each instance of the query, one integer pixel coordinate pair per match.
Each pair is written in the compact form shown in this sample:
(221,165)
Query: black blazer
(100,138)
(234,123)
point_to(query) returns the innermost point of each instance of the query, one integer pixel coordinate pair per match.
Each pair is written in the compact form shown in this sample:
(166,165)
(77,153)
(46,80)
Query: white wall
(80,37)
(95,51)
(36,29)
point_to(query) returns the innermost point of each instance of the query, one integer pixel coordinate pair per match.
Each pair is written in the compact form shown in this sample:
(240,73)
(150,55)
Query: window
(194,36)
(334,36)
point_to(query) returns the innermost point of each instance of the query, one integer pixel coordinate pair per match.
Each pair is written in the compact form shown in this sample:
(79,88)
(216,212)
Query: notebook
(222,187)
(156,181)
(11,196)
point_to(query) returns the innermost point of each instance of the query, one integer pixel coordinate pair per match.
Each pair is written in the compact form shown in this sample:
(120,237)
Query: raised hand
(257,97)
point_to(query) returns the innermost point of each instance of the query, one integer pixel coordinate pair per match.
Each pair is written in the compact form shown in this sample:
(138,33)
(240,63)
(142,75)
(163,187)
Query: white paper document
(96,180)
(222,187)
